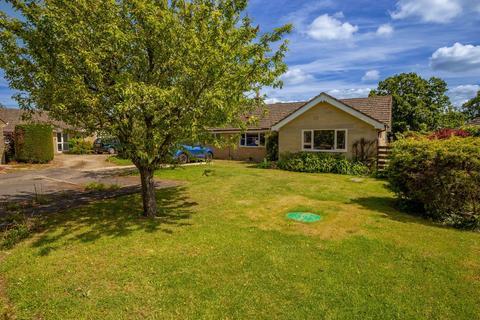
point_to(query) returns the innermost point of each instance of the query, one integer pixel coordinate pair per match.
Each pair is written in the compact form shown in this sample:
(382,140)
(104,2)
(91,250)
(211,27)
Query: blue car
(185,153)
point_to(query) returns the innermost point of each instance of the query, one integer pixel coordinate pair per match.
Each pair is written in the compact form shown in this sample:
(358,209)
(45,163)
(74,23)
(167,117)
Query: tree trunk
(148,192)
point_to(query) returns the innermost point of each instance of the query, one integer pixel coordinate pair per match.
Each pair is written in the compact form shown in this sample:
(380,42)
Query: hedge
(441,177)
(321,163)
(33,143)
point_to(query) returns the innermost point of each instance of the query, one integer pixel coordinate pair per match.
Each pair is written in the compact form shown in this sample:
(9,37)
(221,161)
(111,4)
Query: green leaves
(440,176)
(151,72)
(471,108)
(418,104)
(321,163)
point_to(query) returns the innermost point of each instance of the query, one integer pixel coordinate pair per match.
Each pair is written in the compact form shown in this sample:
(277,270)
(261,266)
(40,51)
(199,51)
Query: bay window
(325,140)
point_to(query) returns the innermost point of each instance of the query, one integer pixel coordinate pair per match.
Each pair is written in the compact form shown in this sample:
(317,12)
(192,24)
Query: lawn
(223,249)
(119,161)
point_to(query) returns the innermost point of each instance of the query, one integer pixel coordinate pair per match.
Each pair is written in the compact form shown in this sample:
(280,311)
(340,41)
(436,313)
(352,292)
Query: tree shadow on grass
(390,209)
(119,217)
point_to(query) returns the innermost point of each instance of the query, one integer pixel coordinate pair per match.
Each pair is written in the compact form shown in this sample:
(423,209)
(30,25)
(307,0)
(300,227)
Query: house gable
(325,117)
(325,98)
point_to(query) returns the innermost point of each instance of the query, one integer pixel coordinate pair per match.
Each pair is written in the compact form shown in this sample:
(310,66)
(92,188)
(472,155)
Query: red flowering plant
(443,134)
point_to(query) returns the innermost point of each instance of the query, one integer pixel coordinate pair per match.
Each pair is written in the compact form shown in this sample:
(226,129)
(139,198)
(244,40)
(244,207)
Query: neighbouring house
(475,122)
(323,124)
(61,132)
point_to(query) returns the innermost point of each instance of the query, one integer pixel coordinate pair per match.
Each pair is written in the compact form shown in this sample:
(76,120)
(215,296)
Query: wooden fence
(382,157)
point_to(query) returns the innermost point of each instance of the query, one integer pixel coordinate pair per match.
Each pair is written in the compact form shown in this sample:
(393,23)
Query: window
(62,142)
(325,140)
(256,139)
(307,139)
(341,136)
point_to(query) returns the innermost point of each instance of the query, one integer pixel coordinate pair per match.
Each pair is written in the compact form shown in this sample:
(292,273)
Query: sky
(345,47)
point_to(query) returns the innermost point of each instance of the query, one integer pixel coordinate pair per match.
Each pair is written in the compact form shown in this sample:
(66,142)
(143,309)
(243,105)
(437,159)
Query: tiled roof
(475,121)
(274,113)
(12,117)
(378,108)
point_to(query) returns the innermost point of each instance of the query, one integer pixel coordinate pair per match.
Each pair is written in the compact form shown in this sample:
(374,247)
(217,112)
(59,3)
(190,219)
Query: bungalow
(12,117)
(323,124)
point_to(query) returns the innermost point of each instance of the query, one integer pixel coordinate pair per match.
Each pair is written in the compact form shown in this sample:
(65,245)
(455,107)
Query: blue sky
(345,47)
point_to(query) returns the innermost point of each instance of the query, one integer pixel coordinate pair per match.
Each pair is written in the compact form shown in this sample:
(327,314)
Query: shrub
(474,131)
(440,176)
(33,143)
(80,146)
(266,164)
(272,146)
(321,163)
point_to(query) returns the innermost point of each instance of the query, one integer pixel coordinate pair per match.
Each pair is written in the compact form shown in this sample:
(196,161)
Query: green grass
(98,186)
(223,249)
(119,161)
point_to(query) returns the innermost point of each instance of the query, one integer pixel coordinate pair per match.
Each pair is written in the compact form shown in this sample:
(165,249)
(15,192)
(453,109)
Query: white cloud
(272,100)
(461,94)
(349,93)
(339,15)
(458,58)
(306,91)
(371,75)
(327,27)
(385,30)
(300,16)
(439,11)
(296,76)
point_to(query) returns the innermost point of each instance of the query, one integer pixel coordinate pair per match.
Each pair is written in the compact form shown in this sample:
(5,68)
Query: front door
(62,142)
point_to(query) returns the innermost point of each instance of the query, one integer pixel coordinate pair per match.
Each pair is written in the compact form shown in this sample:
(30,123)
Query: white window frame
(258,135)
(335,140)
(64,141)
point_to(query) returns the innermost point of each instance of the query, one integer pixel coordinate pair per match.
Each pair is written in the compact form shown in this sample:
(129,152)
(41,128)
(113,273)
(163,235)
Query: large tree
(471,108)
(151,72)
(418,104)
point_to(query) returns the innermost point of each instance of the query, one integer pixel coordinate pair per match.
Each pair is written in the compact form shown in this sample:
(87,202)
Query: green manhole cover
(303,216)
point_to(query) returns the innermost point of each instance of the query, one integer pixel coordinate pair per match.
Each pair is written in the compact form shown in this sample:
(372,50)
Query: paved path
(63,181)
(68,172)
